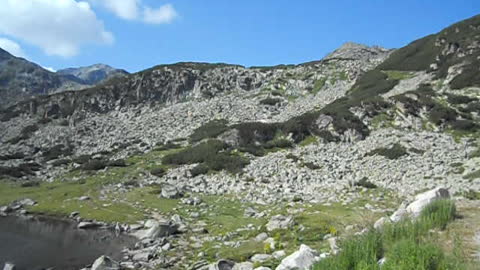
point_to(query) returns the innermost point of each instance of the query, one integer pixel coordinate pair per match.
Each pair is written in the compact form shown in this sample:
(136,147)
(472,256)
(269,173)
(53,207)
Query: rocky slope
(93,74)
(359,128)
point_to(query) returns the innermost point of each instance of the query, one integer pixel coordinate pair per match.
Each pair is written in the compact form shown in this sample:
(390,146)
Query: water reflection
(39,242)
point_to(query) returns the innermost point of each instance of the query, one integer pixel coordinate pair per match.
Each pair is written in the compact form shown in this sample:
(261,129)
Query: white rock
(302,259)
(105,263)
(262,268)
(261,258)
(9,266)
(423,199)
(279,254)
(243,266)
(279,222)
(261,237)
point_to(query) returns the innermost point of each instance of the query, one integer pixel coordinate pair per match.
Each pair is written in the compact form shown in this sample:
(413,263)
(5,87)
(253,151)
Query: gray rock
(280,222)
(260,258)
(9,266)
(88,225)
(170,192)
(301,259)
(279,254)
(422,200)
(154,229)
(243,266)
(84,198)
(105,263)
(221,265)
(261,237)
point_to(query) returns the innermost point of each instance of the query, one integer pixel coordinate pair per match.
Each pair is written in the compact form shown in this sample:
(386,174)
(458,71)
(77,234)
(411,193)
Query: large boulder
(415,208)
(105,263)
(302,259)
(422,200)
(171,192)
(280,222)
(154,229)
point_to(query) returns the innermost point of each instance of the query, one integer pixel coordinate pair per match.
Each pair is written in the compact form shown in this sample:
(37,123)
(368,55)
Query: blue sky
(246,32)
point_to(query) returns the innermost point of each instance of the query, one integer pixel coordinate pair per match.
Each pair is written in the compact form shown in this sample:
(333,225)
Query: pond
(33,243)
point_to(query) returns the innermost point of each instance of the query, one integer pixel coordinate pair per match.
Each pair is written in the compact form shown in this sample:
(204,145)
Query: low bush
(158,172)
(394,152)
(472,195)
(271,101)
(365,183)
(30,184)
(199,169)
(167,146)
(117,163)
(210,130)
(213,153)
(441,114)
(17,155)
(56,152)
(94,165)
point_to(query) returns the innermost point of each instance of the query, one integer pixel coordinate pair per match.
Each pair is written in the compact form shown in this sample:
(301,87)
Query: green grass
(406,245)
(309,140)
(60,199)
(472,175)
(398,75)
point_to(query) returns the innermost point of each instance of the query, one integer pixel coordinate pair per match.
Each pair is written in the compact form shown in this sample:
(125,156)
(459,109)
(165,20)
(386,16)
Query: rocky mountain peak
(352,50)
(93,74)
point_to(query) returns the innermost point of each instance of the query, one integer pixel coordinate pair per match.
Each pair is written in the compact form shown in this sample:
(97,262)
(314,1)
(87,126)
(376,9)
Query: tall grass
(406,245)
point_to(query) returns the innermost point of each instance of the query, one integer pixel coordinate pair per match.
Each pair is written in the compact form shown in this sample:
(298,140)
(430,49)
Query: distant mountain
(93,74)
(20,78)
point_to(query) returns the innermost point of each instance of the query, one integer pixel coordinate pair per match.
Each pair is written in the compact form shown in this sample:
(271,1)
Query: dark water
(39,242)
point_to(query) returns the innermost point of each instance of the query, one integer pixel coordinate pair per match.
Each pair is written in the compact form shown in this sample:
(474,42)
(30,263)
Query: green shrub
(213,153)
(199,170)
(167,146)
(464,125)
(438,213)
(30,184)
(210,130)
(394,152)
(311,165)
(409,254)
(365,183)
(417,55)
(457,99)
(17,155)
(271,101)
(159,172)
(82,159)
(56,152)
(472,195)
(441,114)
(469,77)
(278,143)
(195,154)
(94,165)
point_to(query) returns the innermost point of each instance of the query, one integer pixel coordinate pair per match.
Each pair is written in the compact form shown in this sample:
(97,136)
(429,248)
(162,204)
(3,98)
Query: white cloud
(136,10)
(12,47)
(163,14)
(59,27)
(125,9)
